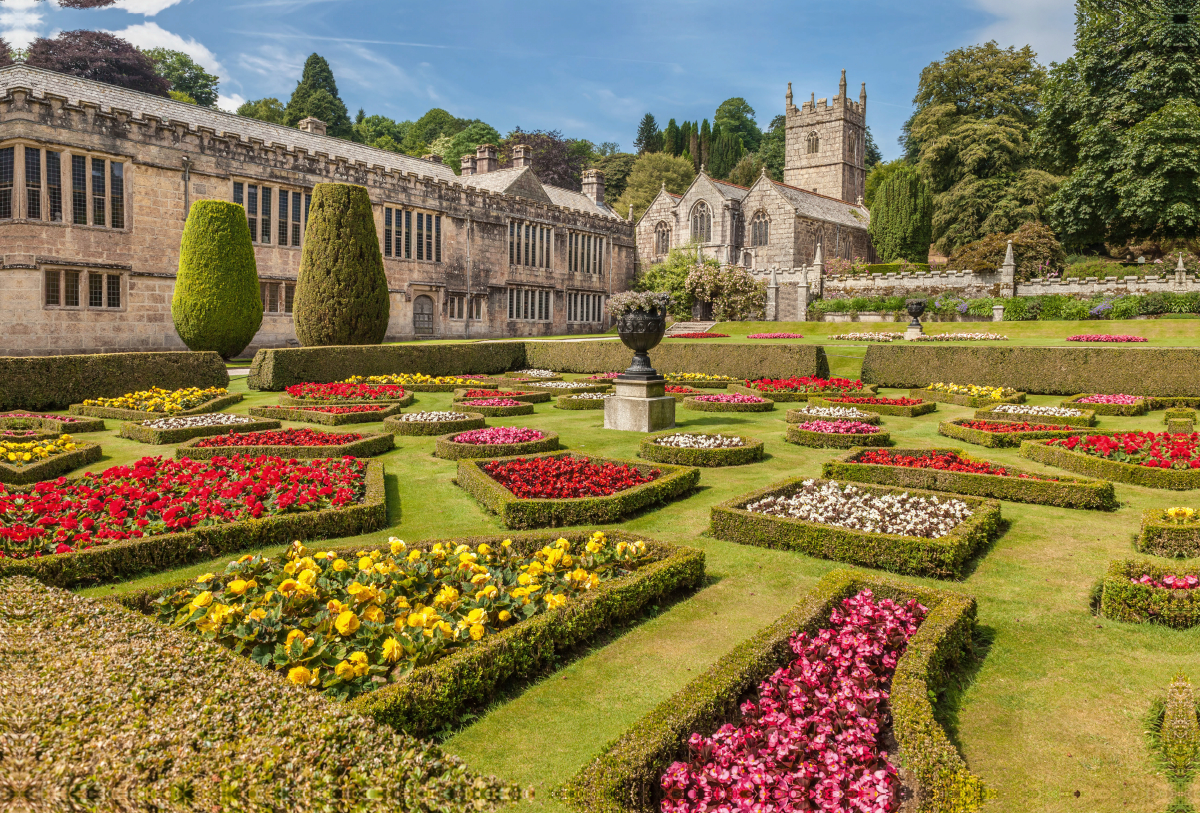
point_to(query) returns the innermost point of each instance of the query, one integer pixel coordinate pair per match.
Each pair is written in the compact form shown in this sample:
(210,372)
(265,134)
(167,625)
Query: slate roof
(730,190)
(821,207)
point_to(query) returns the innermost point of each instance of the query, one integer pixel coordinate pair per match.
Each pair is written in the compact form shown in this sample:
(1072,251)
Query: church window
(760,229)
(662,239)
(702,223)
(6,182)
(814,143)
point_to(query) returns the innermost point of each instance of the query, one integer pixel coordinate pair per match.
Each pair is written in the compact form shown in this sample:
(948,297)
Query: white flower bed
(430,417)
(882,336)
(192,421)
(961,337)
(686,441)
(591,396)
(1029,409)
(562,385)
(535,373)
(836,413)
(847,506)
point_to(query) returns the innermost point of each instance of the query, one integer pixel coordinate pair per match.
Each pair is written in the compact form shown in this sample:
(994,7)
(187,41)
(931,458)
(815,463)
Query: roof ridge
(815,194)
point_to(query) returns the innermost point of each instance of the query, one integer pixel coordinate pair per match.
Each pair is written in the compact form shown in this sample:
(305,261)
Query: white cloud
(19,23)
(149,35)
(1048,26)
(230,103)
(147,7)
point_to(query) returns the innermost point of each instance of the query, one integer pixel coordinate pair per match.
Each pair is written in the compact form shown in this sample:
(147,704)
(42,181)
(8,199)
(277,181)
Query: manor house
(96,182)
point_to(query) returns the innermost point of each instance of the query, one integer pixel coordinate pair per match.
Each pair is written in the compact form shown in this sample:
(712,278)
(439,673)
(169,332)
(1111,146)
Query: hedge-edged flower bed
(155,403)
(163,688)
(1005,434)
(582,400)
(480,394)
(58,424)
(1020,413)
(842,521)
(949,470)
(342,393)
(329,415)
(417,382)
(626,777)
(493,407)
(1172,532)
(590,489)
(901,407)
(821,434)
(775,336)
(877,336)
(702,380)
(1106,337)
(291,443)
(1137,592)
(1154,460)
(179,428)
(706,449)
(433,423)
(159,513)
(601,377)
(495,441)
(545,375)
(960,337)
(728,402)
(802,388)
(34,461)
(569,386)
(968,395)
(830,413)
(1127,405)
(681,391)
(698,336)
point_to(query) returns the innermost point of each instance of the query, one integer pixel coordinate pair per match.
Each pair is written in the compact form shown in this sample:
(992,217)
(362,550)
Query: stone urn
(915,308)
(641,331)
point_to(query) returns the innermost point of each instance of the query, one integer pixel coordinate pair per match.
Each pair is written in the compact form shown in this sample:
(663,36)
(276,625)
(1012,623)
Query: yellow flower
(445,628)
(202,600)
(480,578)
(366,563)
(347,623)
(307,578)
(476,616)
(448,595)
(359,661)
(505,615)
(524,579)
(339,565)
(414,555)
(374,615)
(392,650)
(344,670)
(300,675)
(335,606)
(491,591)
(593,546)
(507,543)
(292,636)
(555,600)
(562,544)
(258,614)
(477,631)
(288,586)
(484,550)
(416,620)
(207,577)
(397,546)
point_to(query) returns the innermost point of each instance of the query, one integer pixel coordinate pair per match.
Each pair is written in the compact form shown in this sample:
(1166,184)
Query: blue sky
(589,69)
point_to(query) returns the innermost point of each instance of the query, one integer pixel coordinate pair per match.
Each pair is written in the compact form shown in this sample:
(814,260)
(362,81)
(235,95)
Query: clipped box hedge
(1169,402)
(50,468)
(276,368)
(539,397)
(303,415)
(50,423)
(1003,440)
(574,389)
(1068,492)
(215,405)
(1114,470)
(369,445)
(1088,418)
(1161,537)
(700,385)
(834,440)
(751,451)
(147,434)
(571,402)
(625,777)
(525,378)
(942,558)
(516,513)
(783,396)
(447,449)
(56,382)
(717,406)
(973,401)
(407,400)
(1122,600)
(797,416)
(469,420)
(1040,370)
(1181,426)
(1128,410)
(914,411)
(491,411)
(133,557)
(1179,414)
(737,360)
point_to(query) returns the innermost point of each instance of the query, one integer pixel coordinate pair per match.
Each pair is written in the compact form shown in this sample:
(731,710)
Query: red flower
(1002,428)
(804,384)
(1160,450)
(280,437)
(341,391)
(565,477)
(346,410)
(943,461)
(878,401)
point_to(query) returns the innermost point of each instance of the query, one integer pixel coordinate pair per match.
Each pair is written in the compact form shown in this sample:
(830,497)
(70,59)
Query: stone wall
(1115,286)
(967,284)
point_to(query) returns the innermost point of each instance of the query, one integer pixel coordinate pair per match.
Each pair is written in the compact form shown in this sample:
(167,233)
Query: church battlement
(826,143)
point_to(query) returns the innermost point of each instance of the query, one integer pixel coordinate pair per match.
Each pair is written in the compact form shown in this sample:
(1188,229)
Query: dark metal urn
(641,331)
(915,308)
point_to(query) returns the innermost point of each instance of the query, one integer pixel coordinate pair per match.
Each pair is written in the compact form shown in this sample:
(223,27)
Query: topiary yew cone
(216,305)
(341,292)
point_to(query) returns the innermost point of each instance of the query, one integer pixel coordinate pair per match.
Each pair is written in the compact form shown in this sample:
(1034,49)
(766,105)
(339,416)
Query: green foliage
(705,154)
(672,139)
(876,175)
(302,414)
(871,155)
(649,138)
(719,406)
(996,440)
(269,109)
(902,218)
(771,149)
(1162,537)
(1036,252)
(736,118)
(1124,600)
(616,168)
(215,405)
(277,368)
(341,290)
(427,129)
(734,292)
(727,150)
(833,440)
(180,96)
(648,175)
(216,304)
(465,142)
(468,421)
(316,95)
(185,75)
(747,170)
(379,131)
(911,411)
(1179,732)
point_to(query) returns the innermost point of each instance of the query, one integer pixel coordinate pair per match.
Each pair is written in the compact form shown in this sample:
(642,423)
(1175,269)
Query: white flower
(1029,409)
(430,417)
(192,421)
(683,440)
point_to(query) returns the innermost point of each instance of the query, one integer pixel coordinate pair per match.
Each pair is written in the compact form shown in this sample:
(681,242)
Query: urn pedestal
(641,403)
(915,308)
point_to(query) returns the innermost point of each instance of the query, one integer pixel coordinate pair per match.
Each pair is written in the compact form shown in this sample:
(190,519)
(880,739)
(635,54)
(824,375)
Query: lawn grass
(1055,706)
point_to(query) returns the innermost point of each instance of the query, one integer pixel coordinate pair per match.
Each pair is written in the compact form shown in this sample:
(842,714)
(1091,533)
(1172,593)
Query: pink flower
(1111,399)
(730,398)
(499,435)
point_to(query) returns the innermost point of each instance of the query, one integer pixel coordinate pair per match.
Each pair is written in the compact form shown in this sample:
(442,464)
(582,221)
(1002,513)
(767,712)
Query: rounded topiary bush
(341,291)
(216,305)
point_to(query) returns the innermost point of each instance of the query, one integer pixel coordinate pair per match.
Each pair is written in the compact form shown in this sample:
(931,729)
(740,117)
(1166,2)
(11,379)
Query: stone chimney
(311,125)
(485,159)
(433,156)
(522,156)
(468,165)
(593,185)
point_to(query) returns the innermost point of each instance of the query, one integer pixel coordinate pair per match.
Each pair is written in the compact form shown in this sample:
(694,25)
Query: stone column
(773,297)
(1008,274)
(801,294)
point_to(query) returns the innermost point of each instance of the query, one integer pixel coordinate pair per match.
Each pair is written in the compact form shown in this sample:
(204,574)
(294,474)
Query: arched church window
(760,229)
(702,223)
(662,238)
(814,143)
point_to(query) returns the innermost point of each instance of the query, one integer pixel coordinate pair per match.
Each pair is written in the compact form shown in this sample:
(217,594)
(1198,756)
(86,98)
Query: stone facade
(826,145)
(96,182)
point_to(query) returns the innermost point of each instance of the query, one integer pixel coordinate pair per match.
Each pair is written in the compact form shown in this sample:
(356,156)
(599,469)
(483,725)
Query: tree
(607,148)
(872,155)
(736,117)
(341,290)
(1035,249)
(747,170)
(705,153)
(616,168)
(734,292)
(427,129)
(771,150)
(5,54)
(648,139)
(216,304)
(902,219)
(672,144)
(877,175)
(646,178)
(671,275)
(379,131)
(727,151)
(1121,118)
(269,109)
(557,161)
(185,75)
(316,96)
(100,57)
(466,141)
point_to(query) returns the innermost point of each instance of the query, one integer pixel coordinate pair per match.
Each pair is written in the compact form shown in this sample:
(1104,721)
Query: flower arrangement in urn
(641,322)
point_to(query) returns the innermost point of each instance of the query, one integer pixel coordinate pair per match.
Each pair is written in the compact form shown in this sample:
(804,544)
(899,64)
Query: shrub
(216,305)
(734,292)
(461,394)
(760,405)
(1036,251)
(580,401)
(341,290)
(311,415)
(50,424)
(670,276)
(365,445)
(750,451)
(1124,599)
(1162,536)
(447,449)
(901,410)
(1137,407)
(489,411)
(995,413)
(902,217)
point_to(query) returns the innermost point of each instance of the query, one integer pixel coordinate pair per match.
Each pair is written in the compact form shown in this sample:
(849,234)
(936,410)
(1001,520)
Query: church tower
(826,145)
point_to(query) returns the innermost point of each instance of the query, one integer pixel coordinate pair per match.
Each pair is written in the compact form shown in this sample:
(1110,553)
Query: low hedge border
(515,374)
(447,449)
(435,387)
(36,437)
(783,397)
(1160,537)
(1122,600)
(700,385)
(1088,418)
(750,452)
(1181,426)
(369,445)
(52,424)
(914,411)
(832,440)
(1113,470)
(492,411)
(133,557)
(973,401)
(516,513)
(941,558)
(716,406)
(469,420)
(574,389)
(303,415)
(1128,410)
(571,402)
(796,416)
(215,405)
(145,434)
(539,397)
(1067,493)
(286,400)
(1178,414)
(679,396)
(625,777)
(1172,402)
(51,467)
(996,440)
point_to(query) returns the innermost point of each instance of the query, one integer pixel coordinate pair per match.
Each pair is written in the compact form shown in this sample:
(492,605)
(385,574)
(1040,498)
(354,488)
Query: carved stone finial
(1179,266)
(1008,255)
